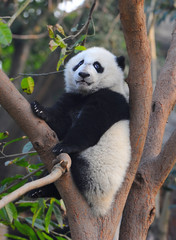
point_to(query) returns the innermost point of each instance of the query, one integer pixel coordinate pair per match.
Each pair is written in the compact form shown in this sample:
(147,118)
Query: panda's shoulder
(110,96)
(112,102)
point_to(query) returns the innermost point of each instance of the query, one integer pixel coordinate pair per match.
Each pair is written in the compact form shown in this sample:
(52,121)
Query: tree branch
(139,78)
(55,174)
(164,99)
(30,36)
(152,170)
(164,162)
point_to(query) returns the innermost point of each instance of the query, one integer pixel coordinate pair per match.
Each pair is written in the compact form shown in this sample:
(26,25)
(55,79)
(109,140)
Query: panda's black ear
(121,62)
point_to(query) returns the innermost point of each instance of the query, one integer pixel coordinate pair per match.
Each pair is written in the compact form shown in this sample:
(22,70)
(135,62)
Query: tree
(150,164)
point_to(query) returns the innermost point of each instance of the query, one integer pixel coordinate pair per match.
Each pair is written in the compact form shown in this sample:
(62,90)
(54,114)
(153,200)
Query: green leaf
(26,230)
(61,62)
(4,216)
(50,31)
(15,140)
(60,41)
(10,236)
(53,45)
(11,179)
(18,185)
(58,215)
(79,48)
(36,214)
(27,85)
(4,135)
(79,40)
(5,34)
(8,213)
(41,237)
(39,223)
(46,236)
(57,42)
(27,204)
(21,162)
(48,217)
(61,238)
(11,211)
(60,29)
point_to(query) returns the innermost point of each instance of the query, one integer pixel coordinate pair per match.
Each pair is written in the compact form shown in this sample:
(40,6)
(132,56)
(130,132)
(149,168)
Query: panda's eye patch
(78,65)
(98,67)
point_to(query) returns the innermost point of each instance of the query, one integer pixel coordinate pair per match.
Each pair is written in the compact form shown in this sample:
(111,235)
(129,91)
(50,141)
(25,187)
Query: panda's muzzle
(84,75)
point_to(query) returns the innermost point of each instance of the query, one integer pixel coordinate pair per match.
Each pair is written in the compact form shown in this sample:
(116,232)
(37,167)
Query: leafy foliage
(43,217)
(61,41)
(5,34)
(4,135)
(27,85)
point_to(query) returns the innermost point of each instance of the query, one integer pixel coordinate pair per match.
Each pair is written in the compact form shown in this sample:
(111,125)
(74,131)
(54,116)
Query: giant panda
(91,120)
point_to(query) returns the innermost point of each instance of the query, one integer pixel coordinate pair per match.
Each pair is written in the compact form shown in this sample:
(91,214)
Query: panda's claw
(39,110)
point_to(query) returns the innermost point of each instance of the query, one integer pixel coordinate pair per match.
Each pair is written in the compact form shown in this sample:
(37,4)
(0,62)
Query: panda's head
(94,69)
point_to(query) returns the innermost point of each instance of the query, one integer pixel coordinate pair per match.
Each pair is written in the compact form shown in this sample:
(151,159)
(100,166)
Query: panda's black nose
(83,74)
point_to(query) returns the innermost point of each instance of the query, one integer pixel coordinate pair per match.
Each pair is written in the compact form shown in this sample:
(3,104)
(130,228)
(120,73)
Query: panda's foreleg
(86,130)
(40,111)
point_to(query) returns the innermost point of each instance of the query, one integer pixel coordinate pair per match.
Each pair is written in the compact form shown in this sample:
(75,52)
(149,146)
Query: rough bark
(140,84)
(155,164)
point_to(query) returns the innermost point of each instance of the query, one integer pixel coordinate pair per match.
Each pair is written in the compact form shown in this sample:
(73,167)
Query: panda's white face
(93,69)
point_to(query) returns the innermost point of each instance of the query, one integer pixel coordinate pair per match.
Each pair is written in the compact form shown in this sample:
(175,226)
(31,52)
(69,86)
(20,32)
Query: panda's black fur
(81,119)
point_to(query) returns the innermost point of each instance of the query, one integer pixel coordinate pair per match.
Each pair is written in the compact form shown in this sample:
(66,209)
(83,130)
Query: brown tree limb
(164,99)
(164,162)
(140,85)
(139,79)
(154,168)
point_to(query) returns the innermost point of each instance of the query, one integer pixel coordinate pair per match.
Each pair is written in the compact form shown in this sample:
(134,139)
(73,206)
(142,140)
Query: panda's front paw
(39,110)
(58,148)
(64,148)
(61,148)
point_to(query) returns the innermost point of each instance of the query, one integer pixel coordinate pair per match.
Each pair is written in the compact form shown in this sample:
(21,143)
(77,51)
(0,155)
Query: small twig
(30,36)
(89,20)
(3,17)
(20,10)
(23,178)
(39,74)
(56,173)
(86,25)
(15,155)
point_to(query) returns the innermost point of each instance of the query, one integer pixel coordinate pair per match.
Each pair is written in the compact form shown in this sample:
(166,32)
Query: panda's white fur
(112,77)
(109,160)
(110,157)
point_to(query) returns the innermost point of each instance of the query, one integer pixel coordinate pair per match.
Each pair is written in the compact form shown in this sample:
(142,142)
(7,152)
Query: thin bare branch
(15,155)
(86,25)
(17,13)
(30,36)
